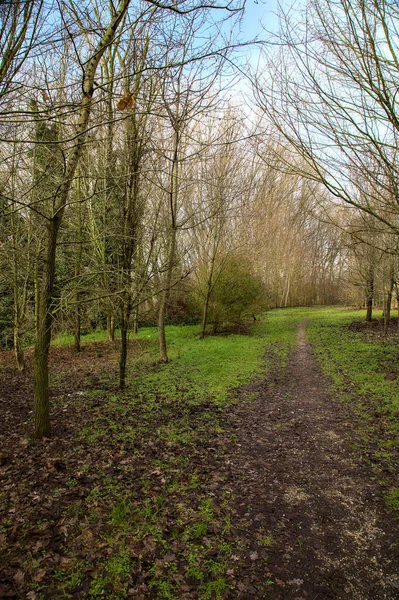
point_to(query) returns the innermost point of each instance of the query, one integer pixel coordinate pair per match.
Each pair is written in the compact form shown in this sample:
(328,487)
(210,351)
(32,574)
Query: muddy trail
(327,533)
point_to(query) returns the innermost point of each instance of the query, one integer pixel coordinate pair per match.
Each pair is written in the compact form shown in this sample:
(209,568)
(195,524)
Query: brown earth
(308,519)
(299,481)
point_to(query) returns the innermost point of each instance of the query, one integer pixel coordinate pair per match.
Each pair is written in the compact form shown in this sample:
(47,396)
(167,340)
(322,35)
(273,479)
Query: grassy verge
(363,366)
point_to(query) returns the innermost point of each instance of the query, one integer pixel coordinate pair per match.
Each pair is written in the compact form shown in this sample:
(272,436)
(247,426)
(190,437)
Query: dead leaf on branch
(126,102)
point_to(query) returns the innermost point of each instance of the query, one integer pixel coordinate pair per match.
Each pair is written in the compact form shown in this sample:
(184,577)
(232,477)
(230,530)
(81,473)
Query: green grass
(213,366)
(205,368)
(66,339)
(357,362)
(392,498)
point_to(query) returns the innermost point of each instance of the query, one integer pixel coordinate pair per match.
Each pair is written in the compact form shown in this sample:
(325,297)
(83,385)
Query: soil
(308,510)
(376,327)
(300,481)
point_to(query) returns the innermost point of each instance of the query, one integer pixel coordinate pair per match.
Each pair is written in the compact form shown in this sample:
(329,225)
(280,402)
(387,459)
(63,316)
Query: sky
(257,13)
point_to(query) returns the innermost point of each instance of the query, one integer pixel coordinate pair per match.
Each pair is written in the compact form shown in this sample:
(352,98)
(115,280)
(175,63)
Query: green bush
(236,295)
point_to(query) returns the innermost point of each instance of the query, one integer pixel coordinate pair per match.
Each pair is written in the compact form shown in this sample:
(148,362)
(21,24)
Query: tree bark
(18,349)
(136,318)
(76,333)
(125,314)
(19,316)
(208,292)
(205,314)
(388,302)
(43,337)
(110,328)
(397,302)
(370,295)
(163,350)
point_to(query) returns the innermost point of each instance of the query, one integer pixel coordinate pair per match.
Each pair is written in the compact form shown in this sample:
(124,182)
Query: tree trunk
(369,307)
(208,294)
(76,333)
(110,328)
(19,314)
(136,318)
(45,296)
(43,338)
(163,351)
(20,302)
(287,291)
(18,348)
(125,314)
(397,302)
(387,311)
(205,313)
(370,295)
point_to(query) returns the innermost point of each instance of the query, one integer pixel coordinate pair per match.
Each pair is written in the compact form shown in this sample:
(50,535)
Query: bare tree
(331,93)
(20,22)
(57,205)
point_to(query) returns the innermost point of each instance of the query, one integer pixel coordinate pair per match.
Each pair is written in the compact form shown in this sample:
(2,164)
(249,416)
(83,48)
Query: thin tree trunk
(19,295)
(76,333)
(397,303)
(205,314)
(163,351)
(19,314)
(208,293)
(370,295)
(136,317)
(125,314)
(387,311)
(18,348)
(43,338)
(45,299)
(111,328)
(78,268)
(287,291)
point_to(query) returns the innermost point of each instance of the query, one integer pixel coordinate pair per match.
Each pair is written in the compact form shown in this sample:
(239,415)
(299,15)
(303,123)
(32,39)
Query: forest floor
(265,498)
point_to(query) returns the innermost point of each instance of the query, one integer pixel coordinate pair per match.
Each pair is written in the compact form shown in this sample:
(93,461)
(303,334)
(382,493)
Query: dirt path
(322,527)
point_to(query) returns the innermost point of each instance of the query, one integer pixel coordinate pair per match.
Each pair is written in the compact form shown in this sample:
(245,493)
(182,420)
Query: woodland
(173,193)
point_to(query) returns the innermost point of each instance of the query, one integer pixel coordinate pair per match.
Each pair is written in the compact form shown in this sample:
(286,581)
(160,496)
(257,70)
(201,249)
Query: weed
(214,589)
(97,587)
(266,541)
(392,498)
(72,482)
(118,567)
(70,577)
(121,513)
(163,588)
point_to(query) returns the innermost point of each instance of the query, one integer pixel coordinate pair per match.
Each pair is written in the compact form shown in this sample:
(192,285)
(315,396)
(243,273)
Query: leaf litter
(169,499)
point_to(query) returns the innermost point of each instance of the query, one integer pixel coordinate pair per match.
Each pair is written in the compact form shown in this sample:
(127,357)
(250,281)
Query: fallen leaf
(65,562)
(169,557)
(40,575)
(19,577)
